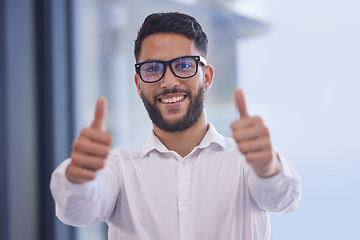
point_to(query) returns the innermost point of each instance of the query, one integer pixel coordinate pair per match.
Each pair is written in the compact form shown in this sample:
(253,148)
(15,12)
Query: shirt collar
(211,137)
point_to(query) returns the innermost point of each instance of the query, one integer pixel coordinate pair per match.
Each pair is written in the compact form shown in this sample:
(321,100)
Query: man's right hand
(90,148)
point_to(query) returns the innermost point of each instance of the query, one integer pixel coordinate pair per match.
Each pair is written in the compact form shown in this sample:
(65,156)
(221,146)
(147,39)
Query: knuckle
(242,147)
(78,145)
(109,138)
(74,157)
(84,132)
(269,155)
(265,130)
(236,135)
(233,126)
(106,152)
(71,171)
(101,164)
(91,175)
(268,144)
(262,129)
(258,119)
(249,157)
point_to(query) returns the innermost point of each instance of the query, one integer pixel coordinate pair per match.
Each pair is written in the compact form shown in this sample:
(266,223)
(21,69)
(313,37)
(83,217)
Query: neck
(183,142)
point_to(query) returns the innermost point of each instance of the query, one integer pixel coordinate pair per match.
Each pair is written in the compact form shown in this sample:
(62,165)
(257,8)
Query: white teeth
(172,100)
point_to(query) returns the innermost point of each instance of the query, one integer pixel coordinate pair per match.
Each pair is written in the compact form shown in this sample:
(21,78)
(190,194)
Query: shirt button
(184,202)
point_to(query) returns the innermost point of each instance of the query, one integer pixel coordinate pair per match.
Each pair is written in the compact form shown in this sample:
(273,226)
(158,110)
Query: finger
(100,113)
(254,145)
(259,158)
(96,136)
(91,148)
(87,161)
(247,123)
(241,103)
(257,131)
(80,175)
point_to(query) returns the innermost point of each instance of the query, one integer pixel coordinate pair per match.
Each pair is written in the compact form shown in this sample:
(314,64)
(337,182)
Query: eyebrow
(151,59)
(202,59)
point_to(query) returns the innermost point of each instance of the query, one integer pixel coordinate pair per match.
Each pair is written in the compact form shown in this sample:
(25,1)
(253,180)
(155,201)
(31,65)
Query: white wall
(303,77)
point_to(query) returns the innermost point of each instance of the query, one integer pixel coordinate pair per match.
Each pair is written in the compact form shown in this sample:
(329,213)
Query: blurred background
(297,61)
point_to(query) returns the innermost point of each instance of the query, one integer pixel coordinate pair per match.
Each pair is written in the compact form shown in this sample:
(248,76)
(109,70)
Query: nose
(169,80)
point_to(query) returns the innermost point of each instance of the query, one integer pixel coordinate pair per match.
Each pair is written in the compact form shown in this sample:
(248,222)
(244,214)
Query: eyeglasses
(182,67)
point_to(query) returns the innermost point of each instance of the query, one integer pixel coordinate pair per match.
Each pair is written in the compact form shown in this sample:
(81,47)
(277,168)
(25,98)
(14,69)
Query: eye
(152,68)
(184,64)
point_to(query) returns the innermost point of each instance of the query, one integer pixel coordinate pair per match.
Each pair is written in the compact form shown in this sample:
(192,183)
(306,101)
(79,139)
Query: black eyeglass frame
(166,63)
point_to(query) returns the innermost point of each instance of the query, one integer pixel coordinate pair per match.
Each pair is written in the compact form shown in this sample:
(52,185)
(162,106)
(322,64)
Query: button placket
(184,175)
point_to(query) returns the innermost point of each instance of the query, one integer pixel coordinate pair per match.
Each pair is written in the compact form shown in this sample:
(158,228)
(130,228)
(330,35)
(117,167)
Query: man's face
(173,104)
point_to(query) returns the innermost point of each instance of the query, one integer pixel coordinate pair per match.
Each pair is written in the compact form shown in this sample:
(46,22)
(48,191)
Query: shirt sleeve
(88,203)
(280,193)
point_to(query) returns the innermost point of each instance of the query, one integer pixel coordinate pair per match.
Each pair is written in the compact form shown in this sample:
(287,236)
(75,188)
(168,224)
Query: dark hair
(172,22)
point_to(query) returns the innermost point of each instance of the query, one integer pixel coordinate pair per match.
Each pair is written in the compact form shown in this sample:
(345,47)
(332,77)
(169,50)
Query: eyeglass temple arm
(203,60)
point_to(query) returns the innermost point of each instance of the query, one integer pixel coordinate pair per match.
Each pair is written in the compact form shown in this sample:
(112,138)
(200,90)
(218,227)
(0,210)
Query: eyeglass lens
(181,67)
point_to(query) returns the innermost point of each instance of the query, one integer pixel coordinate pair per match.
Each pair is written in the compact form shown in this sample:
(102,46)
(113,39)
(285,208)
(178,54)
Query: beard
(193,113)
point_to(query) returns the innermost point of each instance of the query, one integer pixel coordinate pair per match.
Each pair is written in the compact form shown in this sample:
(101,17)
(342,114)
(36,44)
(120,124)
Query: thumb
(241,103)
(100,113)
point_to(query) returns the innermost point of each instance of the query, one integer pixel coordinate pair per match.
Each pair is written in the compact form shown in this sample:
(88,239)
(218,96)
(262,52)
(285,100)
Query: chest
(200,179)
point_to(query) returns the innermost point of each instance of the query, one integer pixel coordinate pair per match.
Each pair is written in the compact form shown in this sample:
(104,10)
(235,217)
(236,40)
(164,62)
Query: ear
(208,76)
(137,83)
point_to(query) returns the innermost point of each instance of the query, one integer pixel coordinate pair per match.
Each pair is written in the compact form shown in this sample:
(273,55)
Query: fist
(253,140)
(91,148)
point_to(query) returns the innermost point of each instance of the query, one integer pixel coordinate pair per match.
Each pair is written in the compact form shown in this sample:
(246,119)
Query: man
(187,181)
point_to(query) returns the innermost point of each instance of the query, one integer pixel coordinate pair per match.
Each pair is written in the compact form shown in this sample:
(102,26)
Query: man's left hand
(253,139)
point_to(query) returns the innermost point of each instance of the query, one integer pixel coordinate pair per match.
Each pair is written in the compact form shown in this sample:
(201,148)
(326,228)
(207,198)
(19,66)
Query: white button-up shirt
(155,194)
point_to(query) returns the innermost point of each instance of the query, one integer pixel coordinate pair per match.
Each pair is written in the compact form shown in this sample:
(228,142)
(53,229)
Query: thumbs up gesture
(90,148)
(253,139)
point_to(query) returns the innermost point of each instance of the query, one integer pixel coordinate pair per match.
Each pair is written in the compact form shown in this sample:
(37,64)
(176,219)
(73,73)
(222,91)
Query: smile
(172,100)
